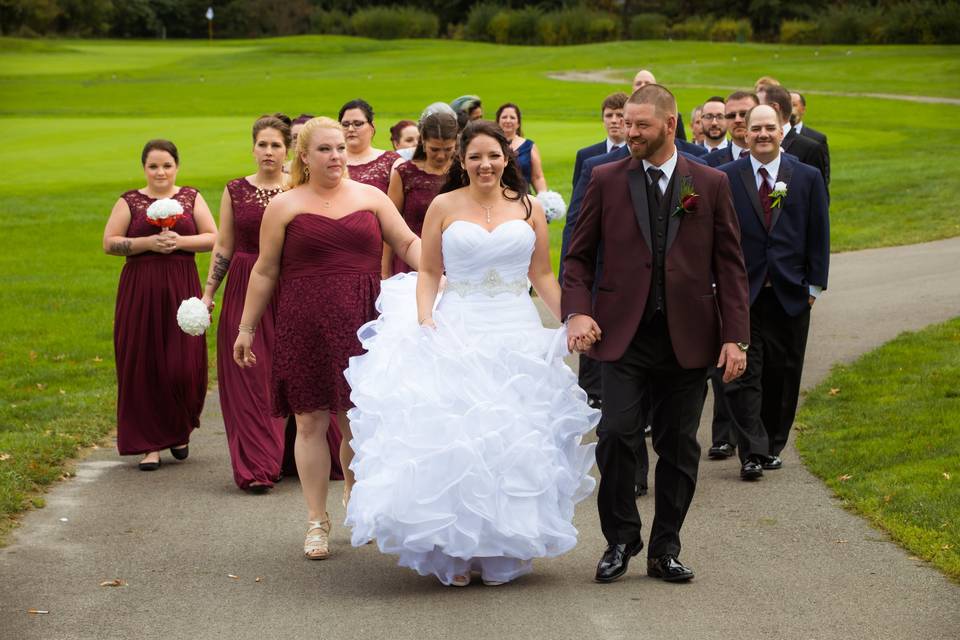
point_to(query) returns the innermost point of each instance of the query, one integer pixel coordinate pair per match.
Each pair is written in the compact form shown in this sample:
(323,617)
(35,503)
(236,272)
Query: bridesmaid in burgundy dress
(415,183)
(161,371)
(366,164)
(320,246)
(254,436)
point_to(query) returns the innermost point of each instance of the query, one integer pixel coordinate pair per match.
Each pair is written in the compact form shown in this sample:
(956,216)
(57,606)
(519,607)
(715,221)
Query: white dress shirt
(735,150)
(611,145)
(723,145)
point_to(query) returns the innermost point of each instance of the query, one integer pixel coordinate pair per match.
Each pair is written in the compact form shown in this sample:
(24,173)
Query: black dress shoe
(668,568)
(149,466)
(751,470)
(181,453)
(772,462)
(720,451)
(258,489)
(639,490)
(615,559)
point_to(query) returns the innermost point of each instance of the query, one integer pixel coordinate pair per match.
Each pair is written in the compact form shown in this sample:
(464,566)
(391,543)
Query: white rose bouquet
(164,213)
(193,317)
(553,205)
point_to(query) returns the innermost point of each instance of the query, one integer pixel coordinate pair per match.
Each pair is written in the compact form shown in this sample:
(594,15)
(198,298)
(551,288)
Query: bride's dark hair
(511,180)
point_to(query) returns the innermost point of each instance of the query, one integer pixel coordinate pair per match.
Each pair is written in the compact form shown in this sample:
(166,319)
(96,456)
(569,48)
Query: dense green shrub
(730,30)
(478,21)
(333,22)
(798,32)
(389,23)
(648,26)
(577,25)
(945,23)
(693,28)
(515,26)
(850,24)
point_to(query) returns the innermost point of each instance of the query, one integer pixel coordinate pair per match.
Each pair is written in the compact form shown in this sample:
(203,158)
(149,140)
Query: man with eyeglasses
(737,107)
(713,117)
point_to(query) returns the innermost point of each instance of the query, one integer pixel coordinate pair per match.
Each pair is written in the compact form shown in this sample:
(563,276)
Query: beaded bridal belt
(492,284)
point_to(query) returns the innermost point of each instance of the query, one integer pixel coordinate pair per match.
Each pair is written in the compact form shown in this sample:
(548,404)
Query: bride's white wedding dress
(468,437)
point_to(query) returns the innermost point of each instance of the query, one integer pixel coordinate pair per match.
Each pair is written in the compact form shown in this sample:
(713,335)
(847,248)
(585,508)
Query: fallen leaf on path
(833,391)
(840,541)
(259,579)
(116,582)
(912,558)
(230,575)
(844,477)
(946,476)
(38,611)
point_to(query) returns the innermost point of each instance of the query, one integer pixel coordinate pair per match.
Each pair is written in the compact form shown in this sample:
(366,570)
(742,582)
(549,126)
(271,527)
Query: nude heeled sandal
(316,546)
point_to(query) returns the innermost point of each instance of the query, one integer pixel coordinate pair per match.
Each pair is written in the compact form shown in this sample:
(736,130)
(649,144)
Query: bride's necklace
(487,209)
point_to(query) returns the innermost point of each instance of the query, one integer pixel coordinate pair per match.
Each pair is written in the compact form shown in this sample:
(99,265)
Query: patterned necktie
(744,153)
(765,197)
(655,175)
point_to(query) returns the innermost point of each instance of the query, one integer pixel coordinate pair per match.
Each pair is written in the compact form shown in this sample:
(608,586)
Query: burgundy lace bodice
(419,190)
(248,203)
(376,172)
(140,225)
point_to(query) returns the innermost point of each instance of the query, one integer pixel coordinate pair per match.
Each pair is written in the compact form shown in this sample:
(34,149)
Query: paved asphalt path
(775,559)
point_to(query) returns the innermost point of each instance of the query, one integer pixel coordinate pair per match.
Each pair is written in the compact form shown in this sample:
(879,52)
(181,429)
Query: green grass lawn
(74,115)
(884,434)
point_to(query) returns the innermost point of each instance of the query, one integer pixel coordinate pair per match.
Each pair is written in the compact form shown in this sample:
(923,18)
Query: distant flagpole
(209,15)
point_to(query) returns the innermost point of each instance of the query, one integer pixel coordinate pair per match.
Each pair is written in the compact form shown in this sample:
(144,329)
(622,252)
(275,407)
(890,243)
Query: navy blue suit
(690,148)
(584,154)
(718,157)
(782,263)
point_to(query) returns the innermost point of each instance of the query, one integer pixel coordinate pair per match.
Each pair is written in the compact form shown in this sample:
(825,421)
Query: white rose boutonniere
(778,194)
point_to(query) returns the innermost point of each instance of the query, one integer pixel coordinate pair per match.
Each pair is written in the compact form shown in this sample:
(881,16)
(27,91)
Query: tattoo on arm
(220,266)
(121,248)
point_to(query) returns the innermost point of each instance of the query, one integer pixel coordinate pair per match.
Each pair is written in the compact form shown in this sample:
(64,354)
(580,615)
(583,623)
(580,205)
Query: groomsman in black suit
(805,149)
(611,111)
(785,234)
(799,104)
(737,105)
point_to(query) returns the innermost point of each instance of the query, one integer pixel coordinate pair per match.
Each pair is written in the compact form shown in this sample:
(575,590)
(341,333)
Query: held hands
(582,333)
(243,350)
(164,242)
(732,360)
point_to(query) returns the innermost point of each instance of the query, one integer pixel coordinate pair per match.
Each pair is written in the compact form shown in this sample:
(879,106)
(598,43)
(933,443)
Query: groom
(669,234)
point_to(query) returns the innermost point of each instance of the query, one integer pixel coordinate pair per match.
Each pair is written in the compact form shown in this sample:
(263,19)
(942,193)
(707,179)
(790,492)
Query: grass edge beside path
(884,434)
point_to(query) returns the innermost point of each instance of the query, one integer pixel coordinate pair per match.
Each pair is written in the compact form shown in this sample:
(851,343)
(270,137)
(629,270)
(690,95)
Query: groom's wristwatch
(743,346)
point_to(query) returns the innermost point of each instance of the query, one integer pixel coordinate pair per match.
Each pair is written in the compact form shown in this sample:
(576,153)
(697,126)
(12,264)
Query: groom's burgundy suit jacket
(702,249)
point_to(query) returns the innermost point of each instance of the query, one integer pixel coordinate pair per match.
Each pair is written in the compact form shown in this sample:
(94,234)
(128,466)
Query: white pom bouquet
(553,205)
(193,317)
(164,213)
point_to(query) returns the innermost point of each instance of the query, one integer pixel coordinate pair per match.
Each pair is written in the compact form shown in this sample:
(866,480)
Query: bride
(467,428)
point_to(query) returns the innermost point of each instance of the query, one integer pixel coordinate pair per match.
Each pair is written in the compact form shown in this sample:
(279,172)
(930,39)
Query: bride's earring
(306,171)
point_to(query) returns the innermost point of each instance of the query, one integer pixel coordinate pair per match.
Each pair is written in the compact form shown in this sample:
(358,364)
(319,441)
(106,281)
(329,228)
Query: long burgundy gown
(329,281)
(419,190)
(255,438)
(161,371)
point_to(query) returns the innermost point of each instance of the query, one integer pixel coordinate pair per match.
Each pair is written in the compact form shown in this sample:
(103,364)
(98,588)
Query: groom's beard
(642,147)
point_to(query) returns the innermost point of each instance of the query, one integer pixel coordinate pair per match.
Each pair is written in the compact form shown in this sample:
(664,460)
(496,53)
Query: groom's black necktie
(655,175)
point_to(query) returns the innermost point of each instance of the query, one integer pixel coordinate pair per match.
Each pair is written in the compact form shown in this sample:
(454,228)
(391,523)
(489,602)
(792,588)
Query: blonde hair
(298,170)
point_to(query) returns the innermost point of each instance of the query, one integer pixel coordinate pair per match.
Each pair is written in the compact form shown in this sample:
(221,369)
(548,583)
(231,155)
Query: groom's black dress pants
(649,364)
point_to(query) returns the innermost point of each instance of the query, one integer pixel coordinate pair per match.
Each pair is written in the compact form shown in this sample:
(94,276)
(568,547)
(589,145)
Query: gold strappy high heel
(316,546)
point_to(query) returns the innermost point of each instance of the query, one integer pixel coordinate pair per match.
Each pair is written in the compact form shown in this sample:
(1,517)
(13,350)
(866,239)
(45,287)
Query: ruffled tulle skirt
(467,439)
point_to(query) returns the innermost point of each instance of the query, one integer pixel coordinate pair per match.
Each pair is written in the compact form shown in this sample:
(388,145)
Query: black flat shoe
(615,559)
(751,470)
(720,451)
(258,489)
(772,463)
(668,568)
(181,453)
(149,466)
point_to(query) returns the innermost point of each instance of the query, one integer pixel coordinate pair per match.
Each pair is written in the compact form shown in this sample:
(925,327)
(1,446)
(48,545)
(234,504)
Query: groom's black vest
(659,221)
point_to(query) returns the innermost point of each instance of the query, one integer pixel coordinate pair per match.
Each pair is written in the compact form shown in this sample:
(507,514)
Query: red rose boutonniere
(689,199)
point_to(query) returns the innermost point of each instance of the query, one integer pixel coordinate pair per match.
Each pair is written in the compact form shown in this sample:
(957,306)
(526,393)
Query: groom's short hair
(659,96)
